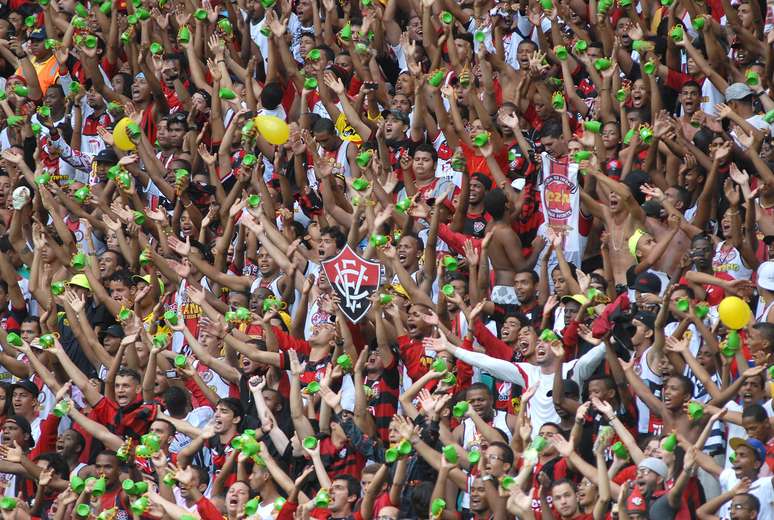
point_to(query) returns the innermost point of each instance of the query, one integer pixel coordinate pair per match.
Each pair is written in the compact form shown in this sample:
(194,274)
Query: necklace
(620,238)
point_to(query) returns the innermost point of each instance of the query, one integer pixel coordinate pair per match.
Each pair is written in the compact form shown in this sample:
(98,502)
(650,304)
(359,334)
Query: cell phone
(370,85)
(171,374)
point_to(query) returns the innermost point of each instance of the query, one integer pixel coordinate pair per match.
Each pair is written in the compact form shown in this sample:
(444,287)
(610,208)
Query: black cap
(647,283)
(647,318)
(38,34)
(22,423)
(114,330)
(397,114)
(28,386)
(106,155)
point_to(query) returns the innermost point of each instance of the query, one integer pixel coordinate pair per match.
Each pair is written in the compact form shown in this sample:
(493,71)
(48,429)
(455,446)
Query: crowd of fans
(386,259)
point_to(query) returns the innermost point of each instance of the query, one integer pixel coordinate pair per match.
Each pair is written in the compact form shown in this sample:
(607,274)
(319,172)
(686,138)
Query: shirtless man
(677,392)
(503,247)
(622,216)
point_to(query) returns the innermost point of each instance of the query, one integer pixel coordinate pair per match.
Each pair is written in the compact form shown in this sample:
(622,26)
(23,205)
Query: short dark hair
(755,412)
(427,148)
(176,400)
(532,274)
(57,463)
(129,372)
(766,330)
(495,203)
(700,236)
(122,277)
(271,95)
(353,485)
(324,126)
(120,260)
(752,501)
(552,128)
(336,233)
(686,382)
(235,405)
(80,440)
(562,481)
(479,386)
(508,457)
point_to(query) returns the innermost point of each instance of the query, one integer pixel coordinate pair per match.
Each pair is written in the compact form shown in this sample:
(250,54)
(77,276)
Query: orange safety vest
(48,72)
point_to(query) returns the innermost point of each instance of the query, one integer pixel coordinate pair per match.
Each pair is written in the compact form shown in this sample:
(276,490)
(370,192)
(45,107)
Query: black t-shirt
(97,316)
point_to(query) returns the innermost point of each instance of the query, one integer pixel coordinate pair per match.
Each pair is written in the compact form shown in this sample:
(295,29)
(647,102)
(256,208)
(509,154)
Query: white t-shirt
(761,488)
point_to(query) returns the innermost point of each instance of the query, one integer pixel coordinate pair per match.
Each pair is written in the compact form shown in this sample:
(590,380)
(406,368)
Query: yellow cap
(634,240)
(580,298)
(80,280)
(398,288)
(147,279)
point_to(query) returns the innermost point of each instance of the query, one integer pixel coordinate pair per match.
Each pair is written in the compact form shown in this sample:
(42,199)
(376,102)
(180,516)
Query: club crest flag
(354,279)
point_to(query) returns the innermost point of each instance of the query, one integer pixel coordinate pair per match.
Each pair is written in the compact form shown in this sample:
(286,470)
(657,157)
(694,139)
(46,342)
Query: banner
(354,279)
(560,198)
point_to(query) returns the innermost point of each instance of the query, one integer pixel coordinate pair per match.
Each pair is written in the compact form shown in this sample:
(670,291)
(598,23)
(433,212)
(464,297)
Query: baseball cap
(635,503)
(655,465)
(38,34)
(647,318)
(397,114)
(768,239)
(754,444)
(766,275)
(737,91)
(27,386)
(21,422)
(106,155)
(147,279)
(114,330)
(80,280)
(578,298)
(519,183)
(647,282)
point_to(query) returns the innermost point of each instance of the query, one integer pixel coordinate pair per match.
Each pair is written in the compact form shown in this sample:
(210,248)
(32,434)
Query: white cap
(766,275)
(518,184)
(20,197)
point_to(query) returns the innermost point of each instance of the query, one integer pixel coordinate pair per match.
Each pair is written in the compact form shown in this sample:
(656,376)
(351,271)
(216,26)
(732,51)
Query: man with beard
(216,436)
(540,374)
(658,501)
